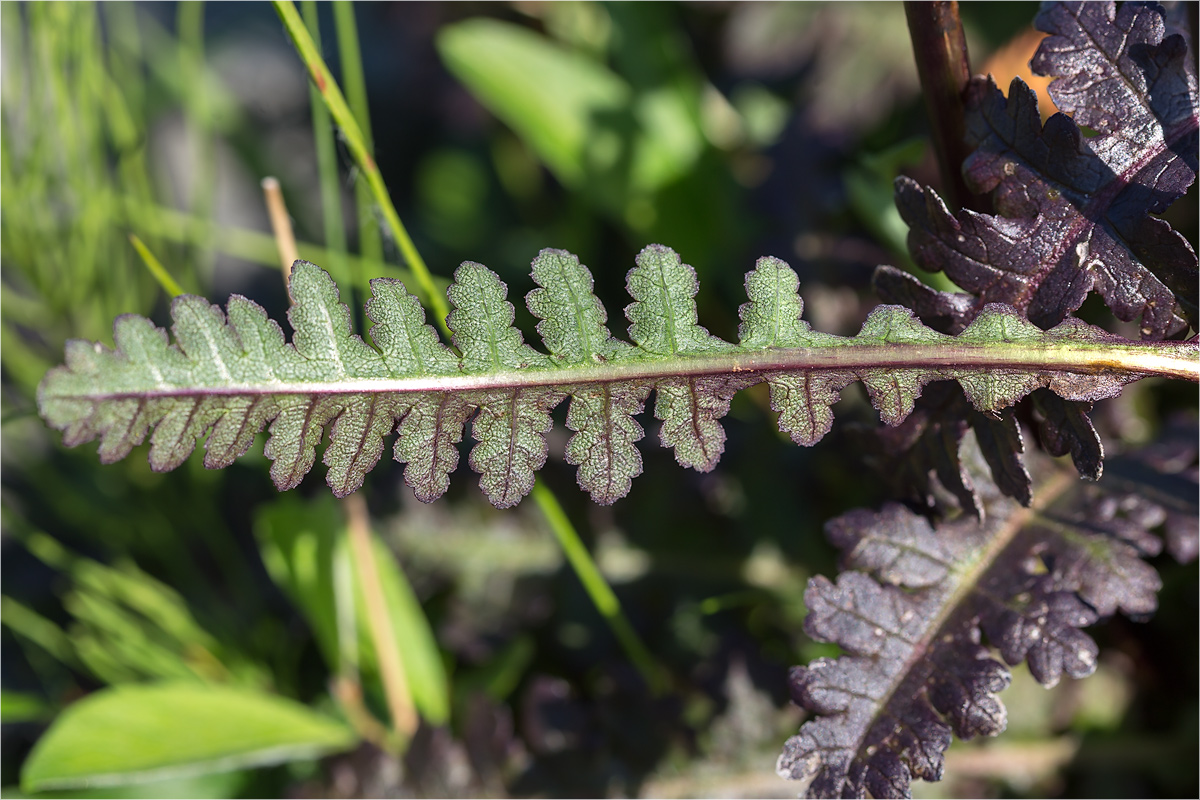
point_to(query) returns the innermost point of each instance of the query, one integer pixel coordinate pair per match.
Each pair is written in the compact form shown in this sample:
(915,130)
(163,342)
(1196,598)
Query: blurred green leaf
(297,540)
(869,189)
(216,785)
(135,733)
(301,542)
(128,625)
(584,121)
(418,647)
(32,626)
(549,95)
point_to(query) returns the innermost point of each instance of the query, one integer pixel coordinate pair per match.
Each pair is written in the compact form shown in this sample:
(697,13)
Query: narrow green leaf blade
(151,731)
(417,645)
(300,542)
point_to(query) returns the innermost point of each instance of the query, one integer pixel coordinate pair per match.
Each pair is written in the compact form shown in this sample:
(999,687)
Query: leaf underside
(915,603)
(228,375)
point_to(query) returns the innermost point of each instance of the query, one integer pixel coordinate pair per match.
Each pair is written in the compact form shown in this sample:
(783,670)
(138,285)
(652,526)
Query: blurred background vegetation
(724,130)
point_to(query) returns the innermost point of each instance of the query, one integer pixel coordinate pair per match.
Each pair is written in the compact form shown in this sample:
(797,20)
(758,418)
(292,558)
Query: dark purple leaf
(1073,212)
(919,604)
(927,445)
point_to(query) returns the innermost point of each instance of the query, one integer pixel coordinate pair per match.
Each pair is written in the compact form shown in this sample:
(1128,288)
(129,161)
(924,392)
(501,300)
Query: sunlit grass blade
(156,268)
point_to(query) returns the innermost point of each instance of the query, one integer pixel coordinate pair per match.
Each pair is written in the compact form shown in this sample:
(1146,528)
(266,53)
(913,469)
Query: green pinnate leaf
(430,424)
(356,439)
(772,317)
(511,424)
(510,428)
(803,400)
(324,338)
(229,376)
(296,431)
(426,439)
(689,408)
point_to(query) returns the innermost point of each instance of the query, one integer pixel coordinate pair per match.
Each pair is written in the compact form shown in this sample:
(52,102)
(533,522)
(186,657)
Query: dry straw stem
(391,667)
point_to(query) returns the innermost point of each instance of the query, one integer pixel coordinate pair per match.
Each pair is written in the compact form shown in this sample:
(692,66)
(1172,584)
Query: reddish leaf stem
(940,50)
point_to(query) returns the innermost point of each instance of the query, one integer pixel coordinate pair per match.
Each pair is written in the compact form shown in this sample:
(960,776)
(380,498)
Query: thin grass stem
(353,136)
(156,268)
(370,244)
(327,173)
(597,587)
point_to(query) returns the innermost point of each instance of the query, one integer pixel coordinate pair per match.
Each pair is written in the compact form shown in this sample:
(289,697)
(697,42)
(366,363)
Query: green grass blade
(598,590)
(370,244)
(327,171)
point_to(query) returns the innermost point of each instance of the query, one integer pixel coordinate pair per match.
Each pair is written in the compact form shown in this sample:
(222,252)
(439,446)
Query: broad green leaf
(212,785)
(585,122)
(152,731)
(297,539)
(235,377)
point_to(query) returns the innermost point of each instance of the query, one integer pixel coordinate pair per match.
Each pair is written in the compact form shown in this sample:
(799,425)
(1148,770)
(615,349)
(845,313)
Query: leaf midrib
(1133,360)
